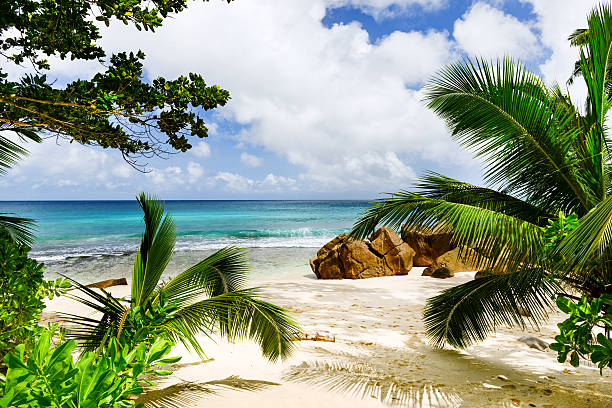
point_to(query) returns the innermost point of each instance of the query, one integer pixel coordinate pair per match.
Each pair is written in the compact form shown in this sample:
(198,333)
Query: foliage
(542,156)
(110,378)
(116,108)
(206,298)
(576,337)
(22,290)
(557,230)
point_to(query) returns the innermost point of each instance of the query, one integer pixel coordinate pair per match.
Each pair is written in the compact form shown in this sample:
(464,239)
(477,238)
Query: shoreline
(380,354)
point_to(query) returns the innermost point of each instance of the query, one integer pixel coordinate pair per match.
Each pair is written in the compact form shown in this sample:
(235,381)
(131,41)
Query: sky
(327,98)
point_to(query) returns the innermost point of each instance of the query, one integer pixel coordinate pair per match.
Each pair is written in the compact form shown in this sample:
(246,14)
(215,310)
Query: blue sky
(326,96)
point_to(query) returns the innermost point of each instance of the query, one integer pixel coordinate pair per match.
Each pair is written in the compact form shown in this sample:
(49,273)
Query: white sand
(380,352)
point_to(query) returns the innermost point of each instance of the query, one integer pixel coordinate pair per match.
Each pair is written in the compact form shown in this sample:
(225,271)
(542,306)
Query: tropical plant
(542,155)
(110,378)
(115,108)
(22,291)
(208,297)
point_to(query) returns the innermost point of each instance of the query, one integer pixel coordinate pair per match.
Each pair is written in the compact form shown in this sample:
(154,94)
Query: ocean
(96,240)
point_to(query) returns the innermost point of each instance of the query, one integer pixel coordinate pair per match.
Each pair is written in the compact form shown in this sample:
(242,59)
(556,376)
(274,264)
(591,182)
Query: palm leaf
(11,152)
(20,229)
(502,241)
(507,116)
(439,187)
(592,238)
(155,249)
(224,271)
(237,315)
(91,332)
(467,313)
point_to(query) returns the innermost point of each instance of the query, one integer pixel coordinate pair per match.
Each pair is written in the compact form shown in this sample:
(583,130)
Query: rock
(523,312)
(330,267)
(384,255)
(427,245)
(359,261)
(442,273)
(384,240)
(534,343)
(482,274)
(331,245)
(399,259)
(453,262)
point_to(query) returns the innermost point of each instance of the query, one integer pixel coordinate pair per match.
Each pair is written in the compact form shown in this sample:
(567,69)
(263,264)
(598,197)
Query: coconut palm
(207,298)
(19,228)
(542,155)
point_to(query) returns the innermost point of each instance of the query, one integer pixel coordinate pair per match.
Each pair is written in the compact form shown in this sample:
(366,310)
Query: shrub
(109,378)
(22,290)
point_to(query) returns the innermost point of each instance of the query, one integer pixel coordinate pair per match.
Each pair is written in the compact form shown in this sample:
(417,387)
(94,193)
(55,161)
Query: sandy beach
(380,356)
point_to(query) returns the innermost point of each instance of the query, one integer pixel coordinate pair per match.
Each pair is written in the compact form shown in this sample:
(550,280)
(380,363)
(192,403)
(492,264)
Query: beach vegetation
(542,155)
(111,377)
(22,291)
(208,298)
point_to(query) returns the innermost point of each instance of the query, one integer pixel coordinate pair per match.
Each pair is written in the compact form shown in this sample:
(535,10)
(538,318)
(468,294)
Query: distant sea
(96,239)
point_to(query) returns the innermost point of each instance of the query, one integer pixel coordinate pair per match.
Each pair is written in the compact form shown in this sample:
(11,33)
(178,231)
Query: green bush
(109,378)
(576,337)
(22,290)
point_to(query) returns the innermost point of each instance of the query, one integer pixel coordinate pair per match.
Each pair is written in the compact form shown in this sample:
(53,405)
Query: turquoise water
(273,230)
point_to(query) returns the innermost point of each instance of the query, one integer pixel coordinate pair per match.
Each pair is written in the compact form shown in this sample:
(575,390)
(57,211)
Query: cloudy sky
(326,96)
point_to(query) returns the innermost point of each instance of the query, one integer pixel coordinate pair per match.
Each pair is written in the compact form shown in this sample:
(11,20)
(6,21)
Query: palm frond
(467,313)
(579,37)
(502,241)
(237,315)
(155,249)
(224,271)
(507,116)
(11,152)
(592,238)
(439,187)
(90,332)
(20,229)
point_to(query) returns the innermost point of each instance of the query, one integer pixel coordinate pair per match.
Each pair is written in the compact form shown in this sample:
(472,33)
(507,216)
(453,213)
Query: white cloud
(251,160)
(381,9)
(234,182)
(336,98)
(488,32)
(202,149)
(195,172)
(556,23)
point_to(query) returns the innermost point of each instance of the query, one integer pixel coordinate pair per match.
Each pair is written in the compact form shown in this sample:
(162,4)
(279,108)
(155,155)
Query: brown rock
(442,273)
(384,240)
(360,262)
(331,245)
(314,265)
(452,261)
(399,259)
(482,274)
(427,245)
(330,267)
(385,255)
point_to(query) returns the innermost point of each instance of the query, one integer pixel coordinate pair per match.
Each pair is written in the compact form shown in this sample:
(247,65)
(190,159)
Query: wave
(187,241)
(263,233)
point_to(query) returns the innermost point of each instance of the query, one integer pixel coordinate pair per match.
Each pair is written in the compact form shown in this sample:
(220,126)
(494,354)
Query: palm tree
(18,228)
(542,155)
(208,297)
